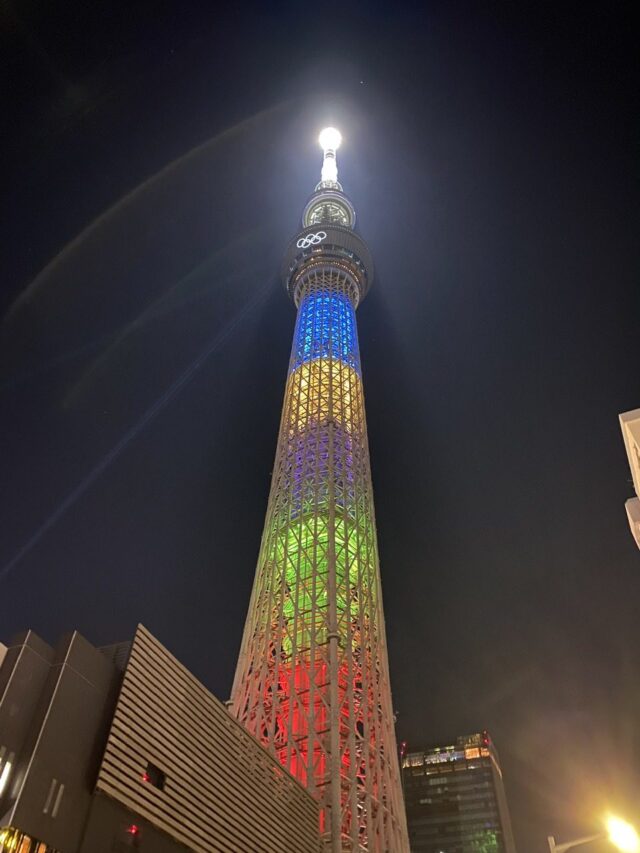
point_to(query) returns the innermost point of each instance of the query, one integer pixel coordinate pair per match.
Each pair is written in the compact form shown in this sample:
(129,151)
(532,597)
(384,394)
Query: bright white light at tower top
(330,139)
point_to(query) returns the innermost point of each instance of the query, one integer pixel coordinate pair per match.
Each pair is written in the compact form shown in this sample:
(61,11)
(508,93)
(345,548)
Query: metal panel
(222,792)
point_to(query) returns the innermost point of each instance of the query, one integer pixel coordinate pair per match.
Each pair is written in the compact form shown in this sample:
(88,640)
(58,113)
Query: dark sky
(157,157)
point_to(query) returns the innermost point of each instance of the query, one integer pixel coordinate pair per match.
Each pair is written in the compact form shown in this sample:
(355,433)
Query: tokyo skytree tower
(312,680)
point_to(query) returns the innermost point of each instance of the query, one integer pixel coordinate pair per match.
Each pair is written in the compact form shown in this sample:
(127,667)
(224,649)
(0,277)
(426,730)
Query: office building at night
(122,748)
(312,680)
(455,798)
(630,424)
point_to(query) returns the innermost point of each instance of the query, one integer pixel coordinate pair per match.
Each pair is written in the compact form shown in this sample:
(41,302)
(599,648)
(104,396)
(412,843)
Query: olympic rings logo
(311,240)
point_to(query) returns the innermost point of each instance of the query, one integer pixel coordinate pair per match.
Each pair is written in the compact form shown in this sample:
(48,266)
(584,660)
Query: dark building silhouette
(120,748)
(455,798)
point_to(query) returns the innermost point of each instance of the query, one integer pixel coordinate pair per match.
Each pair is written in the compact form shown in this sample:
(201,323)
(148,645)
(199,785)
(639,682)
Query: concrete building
(455,798)
(630,423)
(121,748)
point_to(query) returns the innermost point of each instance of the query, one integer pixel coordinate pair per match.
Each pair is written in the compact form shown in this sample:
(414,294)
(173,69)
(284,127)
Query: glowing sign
(311,240)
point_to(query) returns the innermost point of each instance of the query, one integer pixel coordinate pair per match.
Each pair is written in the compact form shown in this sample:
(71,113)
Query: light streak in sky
(151,413)
(57,263)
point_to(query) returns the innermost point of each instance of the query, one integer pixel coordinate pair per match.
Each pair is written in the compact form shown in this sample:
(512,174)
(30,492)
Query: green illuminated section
(322,511)
(302,554)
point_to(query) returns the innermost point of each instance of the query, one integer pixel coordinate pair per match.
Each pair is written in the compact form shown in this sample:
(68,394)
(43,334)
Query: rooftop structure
(455,798)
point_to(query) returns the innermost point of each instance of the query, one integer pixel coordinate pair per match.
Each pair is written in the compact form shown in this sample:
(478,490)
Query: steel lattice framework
(312,681)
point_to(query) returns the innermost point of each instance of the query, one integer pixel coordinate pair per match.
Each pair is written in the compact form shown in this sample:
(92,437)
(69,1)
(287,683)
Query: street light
(560,848)
(620,833)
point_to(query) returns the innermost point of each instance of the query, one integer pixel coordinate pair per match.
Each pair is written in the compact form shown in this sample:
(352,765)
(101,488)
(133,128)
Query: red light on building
(134,829)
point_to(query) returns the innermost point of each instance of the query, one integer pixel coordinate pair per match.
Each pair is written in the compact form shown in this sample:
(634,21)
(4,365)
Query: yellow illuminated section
(324,390)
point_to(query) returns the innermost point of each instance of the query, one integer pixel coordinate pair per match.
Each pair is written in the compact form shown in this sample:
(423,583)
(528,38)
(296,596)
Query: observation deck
(328,245)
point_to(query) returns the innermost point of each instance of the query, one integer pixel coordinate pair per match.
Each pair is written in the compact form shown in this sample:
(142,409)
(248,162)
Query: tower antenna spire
(329,205)
(329,139)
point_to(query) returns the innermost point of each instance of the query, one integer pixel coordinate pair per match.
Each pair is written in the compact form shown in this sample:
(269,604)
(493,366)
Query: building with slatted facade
(122,748)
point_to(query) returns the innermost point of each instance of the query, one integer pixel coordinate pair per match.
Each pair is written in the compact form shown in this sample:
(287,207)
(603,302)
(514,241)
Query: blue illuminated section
(326,329)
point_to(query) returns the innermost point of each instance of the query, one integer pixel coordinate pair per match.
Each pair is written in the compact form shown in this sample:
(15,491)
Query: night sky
(157,157)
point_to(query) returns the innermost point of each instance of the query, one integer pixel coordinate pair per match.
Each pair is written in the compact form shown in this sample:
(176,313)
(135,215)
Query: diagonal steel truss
(312,680)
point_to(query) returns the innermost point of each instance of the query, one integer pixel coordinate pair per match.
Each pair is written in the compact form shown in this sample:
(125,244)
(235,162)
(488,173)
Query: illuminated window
(14,841)
(328,213)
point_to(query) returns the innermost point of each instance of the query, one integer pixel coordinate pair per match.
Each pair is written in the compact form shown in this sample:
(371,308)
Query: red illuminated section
(302,731)
(303,693)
